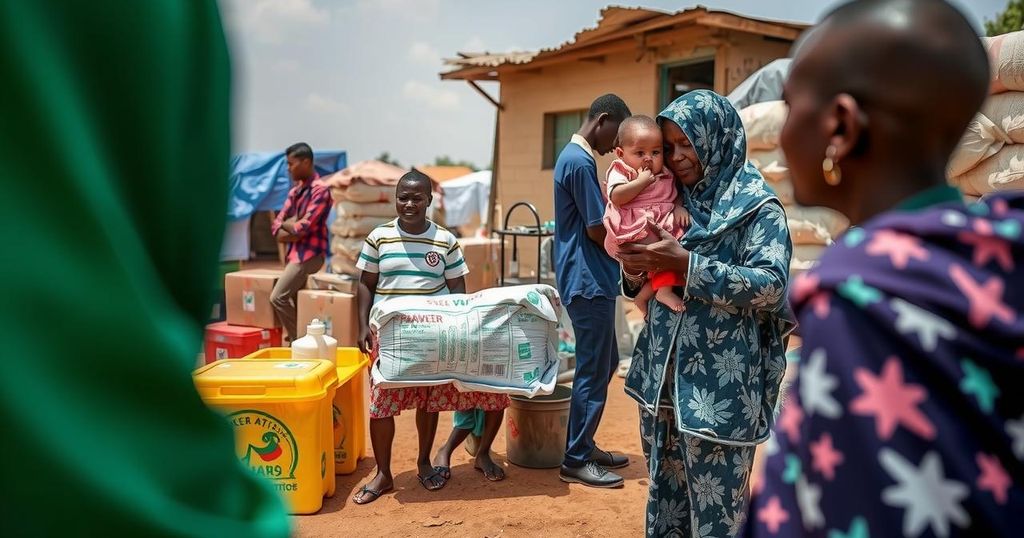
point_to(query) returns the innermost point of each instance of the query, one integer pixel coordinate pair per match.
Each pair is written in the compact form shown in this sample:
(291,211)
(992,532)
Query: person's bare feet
(372,490)
(492,471)
(668,298)
(643,298)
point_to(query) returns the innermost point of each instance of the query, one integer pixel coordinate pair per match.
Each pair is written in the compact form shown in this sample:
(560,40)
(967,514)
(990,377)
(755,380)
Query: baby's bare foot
(668,298)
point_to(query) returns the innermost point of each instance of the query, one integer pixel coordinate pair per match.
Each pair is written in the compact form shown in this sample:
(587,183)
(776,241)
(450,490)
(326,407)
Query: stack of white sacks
(364,198)
(812,228)
(990,156)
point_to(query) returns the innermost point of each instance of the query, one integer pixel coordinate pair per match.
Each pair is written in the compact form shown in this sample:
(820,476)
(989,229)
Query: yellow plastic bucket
(281,413)
(349,410)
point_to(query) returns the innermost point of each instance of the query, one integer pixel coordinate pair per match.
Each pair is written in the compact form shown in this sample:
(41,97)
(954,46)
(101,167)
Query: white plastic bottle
(316,344)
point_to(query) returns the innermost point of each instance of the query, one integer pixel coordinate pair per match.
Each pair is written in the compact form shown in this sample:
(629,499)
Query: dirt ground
(530,502)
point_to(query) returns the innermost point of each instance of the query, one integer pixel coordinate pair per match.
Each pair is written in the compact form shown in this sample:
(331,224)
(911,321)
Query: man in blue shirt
(588,281)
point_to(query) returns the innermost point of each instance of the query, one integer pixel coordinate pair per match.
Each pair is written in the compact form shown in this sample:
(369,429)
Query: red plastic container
(225,341)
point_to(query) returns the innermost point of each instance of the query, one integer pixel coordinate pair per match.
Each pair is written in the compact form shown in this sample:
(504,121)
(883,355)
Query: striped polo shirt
(411,264)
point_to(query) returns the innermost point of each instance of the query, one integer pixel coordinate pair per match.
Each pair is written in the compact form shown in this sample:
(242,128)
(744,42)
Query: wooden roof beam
(543,60)
(740,24)
(656,23)
(486,95)
(618,41)
(472,73)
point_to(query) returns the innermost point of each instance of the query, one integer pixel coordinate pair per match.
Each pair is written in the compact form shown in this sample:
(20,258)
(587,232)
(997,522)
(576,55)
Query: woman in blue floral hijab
(707,379)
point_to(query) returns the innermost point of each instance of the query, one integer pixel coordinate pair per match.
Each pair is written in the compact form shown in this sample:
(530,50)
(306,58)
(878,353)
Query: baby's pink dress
(628,224)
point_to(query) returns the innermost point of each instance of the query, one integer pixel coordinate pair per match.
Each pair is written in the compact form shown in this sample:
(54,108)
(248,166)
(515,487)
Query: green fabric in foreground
(114,150)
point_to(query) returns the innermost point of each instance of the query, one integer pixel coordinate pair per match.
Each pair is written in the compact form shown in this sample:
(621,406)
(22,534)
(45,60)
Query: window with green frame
(558,129)
(681,77)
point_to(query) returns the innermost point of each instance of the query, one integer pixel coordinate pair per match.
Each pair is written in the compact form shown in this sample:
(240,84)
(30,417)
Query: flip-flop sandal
(445,472)
(360,496)
(493,476)
(427,481)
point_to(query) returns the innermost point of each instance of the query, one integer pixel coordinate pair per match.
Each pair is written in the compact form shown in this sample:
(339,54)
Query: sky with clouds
(362,75)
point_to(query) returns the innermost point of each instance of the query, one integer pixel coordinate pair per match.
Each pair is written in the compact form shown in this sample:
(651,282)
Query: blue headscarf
(731,188)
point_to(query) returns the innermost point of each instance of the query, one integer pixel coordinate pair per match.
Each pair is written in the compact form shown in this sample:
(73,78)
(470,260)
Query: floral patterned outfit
(707,379)
(391,402)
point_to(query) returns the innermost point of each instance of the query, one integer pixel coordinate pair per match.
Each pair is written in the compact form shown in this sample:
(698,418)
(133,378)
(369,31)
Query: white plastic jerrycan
(316,344)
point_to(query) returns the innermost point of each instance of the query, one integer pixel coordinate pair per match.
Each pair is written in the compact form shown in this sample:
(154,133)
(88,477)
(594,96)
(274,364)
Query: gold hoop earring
(830,167)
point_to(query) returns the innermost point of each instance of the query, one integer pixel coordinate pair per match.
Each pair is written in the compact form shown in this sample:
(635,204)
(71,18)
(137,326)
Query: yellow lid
(267,381)
(350,360)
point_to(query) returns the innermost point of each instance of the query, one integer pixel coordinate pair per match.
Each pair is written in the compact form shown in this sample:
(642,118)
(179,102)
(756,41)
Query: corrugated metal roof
(486,59)
(615,22)
(611,20)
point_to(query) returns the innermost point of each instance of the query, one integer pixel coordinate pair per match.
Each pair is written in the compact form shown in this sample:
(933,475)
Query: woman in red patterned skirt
(413,256)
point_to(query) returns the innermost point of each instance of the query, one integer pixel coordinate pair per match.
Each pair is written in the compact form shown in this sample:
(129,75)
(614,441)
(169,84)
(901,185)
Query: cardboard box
(225,341)
(482,259)
(337,310)
(247,294)
(332,282)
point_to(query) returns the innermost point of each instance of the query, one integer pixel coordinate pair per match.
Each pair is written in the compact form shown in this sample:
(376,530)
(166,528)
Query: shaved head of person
(879,95)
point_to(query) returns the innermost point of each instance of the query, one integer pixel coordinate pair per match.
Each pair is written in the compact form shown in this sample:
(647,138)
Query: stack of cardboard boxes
(251,324)
(247,294)
(331,299)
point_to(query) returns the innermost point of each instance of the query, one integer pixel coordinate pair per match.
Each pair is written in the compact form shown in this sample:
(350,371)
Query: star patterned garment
(906,417)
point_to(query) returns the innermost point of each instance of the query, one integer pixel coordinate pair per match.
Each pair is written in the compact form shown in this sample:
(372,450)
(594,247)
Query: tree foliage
(385,157)
(1010,20)
(445,160)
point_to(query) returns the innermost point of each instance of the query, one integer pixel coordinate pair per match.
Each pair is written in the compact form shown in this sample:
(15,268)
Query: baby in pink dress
(639,189)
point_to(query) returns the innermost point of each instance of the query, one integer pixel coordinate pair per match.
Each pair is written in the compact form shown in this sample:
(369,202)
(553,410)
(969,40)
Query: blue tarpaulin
(260,182)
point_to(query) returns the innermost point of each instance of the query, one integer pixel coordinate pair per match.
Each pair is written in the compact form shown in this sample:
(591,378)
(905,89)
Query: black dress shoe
(609,460)
(592,475)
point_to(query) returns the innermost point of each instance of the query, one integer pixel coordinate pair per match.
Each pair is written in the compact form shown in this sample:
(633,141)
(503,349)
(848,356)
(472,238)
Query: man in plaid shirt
(302,224)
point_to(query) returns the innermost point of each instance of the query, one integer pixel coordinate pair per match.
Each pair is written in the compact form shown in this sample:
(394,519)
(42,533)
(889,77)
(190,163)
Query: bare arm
(281,228)
(597,234)
(627,192)
(457,284)
(365,295)
(284,233)
(320,206)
